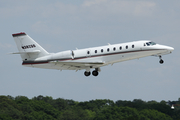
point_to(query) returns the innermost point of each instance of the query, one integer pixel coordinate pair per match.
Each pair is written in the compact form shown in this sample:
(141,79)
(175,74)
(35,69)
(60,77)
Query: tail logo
(28,46)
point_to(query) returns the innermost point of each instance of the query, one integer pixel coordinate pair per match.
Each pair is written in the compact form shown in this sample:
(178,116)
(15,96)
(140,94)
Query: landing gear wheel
(95,73)
(87,73)
(161,61)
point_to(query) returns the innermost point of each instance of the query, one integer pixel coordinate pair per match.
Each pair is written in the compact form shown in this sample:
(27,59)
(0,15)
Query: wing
(76,65)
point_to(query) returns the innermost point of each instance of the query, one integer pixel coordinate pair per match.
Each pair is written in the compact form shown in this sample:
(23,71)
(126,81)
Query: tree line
(47,108)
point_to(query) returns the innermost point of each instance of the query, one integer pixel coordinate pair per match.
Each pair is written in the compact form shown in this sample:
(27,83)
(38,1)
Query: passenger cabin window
(114,48)
(126,47)
(95,51)
(108,49)
(120,48)
(132,46)
(88,52)
(101,50)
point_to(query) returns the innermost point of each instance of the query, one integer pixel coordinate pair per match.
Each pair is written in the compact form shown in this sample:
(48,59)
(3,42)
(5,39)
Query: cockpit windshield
(150,43)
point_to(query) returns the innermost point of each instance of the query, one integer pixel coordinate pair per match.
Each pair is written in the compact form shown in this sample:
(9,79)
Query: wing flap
(76,65)
(79,63)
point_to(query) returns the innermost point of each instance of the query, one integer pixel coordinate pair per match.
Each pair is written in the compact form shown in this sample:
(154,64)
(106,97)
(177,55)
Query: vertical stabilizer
(28,48)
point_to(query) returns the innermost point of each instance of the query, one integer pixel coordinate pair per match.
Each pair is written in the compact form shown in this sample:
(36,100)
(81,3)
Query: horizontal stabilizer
(35,51)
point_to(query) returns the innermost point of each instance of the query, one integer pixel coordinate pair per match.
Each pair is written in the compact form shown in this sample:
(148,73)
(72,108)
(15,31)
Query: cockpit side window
(153,43)
(147,44)
(150,43)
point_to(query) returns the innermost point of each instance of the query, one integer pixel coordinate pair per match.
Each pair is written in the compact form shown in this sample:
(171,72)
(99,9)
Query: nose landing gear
(161,61)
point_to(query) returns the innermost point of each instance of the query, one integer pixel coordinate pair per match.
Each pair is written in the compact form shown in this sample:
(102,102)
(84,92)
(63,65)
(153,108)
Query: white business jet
(33,55)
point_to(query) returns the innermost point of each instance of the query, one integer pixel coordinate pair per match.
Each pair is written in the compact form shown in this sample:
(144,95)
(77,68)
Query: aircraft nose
(170,49)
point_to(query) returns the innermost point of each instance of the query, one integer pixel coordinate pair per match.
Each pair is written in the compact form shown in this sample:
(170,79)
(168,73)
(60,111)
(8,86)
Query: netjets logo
(28,46)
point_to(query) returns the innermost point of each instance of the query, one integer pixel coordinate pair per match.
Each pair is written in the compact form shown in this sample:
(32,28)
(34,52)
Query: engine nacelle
(62,55)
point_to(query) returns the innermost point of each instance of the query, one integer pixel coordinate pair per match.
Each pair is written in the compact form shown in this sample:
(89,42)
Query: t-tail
(28,48)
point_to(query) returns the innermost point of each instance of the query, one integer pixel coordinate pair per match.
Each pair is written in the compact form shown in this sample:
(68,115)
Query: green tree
(96,105)
(41,106)
(91,114)
(45,108)
(75,114)
(153,115)
(60,104)
(9,108)
(5,117)
(40,115)
(118,113)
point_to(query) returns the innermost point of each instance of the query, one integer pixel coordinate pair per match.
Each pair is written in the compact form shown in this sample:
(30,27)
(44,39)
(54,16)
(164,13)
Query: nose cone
(165,49)
(170,49)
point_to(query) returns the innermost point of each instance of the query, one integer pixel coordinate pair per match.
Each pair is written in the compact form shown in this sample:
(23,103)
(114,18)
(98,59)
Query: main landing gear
(87,73)
(94,73)
(161,61)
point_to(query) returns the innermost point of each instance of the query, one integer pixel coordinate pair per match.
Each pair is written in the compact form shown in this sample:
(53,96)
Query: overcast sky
(68,24)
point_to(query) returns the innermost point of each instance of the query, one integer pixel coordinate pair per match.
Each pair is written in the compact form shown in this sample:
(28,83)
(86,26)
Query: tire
(161,61)
(95,73)
(87,73)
